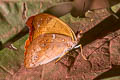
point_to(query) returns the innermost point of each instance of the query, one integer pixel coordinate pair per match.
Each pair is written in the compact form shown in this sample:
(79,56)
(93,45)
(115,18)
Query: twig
(107,26)
(6,70)
(8,43)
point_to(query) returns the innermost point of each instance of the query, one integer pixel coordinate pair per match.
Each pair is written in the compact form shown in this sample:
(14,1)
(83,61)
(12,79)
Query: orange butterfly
(49,39)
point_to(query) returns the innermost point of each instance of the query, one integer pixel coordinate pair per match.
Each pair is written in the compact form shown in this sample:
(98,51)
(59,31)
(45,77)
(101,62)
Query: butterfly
(49,38)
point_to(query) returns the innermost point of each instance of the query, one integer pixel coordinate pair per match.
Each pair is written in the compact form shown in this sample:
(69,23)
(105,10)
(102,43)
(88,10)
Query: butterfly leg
(61,56)
(80,46)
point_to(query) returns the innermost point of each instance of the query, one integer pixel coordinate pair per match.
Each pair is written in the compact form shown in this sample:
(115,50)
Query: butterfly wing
(46,23)
(45,48)
(49,38)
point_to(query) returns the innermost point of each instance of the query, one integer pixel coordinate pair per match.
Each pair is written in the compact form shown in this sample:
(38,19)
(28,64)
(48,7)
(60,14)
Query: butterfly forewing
(46,23)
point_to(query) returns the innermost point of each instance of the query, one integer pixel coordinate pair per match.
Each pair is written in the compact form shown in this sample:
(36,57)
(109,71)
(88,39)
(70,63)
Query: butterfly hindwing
(47,47)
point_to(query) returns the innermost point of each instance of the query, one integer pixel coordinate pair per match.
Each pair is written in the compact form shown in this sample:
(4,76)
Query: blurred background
(13,15)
